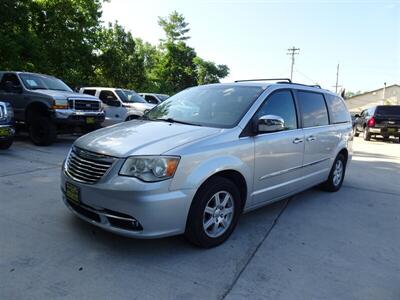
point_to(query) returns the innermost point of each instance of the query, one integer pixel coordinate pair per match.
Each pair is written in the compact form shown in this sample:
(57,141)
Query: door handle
(311,138)
(297,141)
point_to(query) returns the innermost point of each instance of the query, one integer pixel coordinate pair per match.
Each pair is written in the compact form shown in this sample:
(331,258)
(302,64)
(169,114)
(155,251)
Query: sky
(252,37)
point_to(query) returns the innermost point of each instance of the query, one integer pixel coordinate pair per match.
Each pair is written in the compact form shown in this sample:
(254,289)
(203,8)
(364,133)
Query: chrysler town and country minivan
(225,150)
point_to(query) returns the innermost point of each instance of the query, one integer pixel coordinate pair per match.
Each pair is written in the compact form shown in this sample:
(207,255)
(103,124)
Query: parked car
(247,145)
(154,98)
(46,105)
(119,104)
(383,120)
(6,125)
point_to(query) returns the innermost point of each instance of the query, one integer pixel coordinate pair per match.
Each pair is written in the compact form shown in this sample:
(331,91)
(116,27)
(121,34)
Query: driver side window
(9,82)
(281,104)
(109,98)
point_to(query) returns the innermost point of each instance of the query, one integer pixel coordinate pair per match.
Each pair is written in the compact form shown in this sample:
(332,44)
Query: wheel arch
(236,177)
(36,109)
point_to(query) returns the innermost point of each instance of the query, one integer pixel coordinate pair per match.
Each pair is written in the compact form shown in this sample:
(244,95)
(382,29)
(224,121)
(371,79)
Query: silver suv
(205,155)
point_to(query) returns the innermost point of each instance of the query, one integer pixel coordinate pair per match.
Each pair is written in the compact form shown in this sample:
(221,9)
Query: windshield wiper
(171,120)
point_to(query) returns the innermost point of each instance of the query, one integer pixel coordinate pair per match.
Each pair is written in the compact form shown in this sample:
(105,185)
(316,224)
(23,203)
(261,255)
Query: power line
(292,51)
(305,76)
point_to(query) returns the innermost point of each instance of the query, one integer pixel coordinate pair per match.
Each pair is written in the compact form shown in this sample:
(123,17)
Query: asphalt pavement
(315,245)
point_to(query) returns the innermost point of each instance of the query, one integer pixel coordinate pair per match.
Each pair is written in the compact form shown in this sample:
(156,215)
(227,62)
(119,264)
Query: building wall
(360,102)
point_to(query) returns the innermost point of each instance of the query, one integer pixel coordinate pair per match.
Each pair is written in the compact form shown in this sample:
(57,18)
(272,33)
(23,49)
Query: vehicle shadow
(249,232)
(62,139)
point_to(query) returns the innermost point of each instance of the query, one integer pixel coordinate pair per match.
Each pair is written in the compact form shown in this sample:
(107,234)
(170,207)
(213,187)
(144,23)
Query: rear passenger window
(313,109)
(337,109)
(90,92)
(280,104)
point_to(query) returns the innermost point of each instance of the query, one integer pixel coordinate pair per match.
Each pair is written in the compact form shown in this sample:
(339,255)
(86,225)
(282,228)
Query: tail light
(371,122)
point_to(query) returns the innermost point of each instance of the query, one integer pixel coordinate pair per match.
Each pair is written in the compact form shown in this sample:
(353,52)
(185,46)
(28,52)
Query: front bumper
(70,116)
(385,131)
(144,210)
(8,131)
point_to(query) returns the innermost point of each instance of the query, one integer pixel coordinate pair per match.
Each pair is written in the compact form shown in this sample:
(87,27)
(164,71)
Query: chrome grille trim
(84,104)
(87,167)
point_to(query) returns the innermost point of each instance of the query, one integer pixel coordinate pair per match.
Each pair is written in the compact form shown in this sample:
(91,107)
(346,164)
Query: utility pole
(384,93)
(337,79)
(292,52)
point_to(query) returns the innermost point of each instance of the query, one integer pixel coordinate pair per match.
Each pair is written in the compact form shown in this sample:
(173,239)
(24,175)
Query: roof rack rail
(280,80)
(267,79)
(310,85)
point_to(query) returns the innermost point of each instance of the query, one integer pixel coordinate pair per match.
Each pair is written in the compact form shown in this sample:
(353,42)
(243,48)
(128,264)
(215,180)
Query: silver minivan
(194,163)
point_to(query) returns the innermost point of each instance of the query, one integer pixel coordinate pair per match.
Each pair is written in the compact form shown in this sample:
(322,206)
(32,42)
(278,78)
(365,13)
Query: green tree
(175,27)
(19,44)
(209,72)
(119,64)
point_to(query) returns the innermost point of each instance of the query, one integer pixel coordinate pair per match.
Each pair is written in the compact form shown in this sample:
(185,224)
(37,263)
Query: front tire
(336,176)
(355,132)
(5,144)
(42,131)
(214,213)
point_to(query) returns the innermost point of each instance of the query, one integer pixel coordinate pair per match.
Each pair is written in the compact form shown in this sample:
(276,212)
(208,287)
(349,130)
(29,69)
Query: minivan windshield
(129,96)
(220,106)
(43,82)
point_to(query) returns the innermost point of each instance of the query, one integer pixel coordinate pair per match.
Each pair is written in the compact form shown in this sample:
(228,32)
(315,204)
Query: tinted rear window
(337,109)
(90,92)
(313,109)
(388,110)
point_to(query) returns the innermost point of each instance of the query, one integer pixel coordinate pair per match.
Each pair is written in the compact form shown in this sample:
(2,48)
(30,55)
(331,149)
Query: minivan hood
(141,137)
(63,95)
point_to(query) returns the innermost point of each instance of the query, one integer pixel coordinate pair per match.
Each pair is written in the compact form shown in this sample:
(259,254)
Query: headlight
(150,168)
(60,104)
(10,111)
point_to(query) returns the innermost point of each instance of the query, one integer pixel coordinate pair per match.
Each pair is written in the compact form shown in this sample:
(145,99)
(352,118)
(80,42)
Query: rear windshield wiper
(171,120)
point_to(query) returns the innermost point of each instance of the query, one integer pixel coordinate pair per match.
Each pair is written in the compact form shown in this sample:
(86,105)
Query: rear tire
(42,131)
(367,134)
(214,213)
(336,176)
(5,144)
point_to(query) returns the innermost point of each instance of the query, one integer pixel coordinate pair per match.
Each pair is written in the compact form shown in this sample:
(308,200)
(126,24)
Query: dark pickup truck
(383,120)
(6,125)
(46,106)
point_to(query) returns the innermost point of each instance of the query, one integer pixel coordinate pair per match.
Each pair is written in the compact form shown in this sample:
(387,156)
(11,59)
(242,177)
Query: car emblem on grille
(85,154)
(91,155)
(88,105)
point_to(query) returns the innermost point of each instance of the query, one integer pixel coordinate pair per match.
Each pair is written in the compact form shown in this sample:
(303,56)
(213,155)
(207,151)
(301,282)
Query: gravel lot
(315,245)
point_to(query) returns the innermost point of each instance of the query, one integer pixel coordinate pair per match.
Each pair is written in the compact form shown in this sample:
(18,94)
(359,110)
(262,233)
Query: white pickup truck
(119,104)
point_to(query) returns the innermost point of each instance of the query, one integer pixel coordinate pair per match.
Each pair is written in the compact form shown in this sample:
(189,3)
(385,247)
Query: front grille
(3,111)
(87,167)
(84,105)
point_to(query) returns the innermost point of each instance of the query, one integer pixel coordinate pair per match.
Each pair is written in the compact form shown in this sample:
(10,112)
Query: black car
(6,125)
(383,120)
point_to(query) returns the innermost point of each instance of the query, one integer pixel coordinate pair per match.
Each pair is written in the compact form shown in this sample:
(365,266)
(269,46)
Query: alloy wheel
(338,173)
(218,214)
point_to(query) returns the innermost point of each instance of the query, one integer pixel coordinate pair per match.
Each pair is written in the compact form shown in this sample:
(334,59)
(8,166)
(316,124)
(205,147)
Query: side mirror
(270,123)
